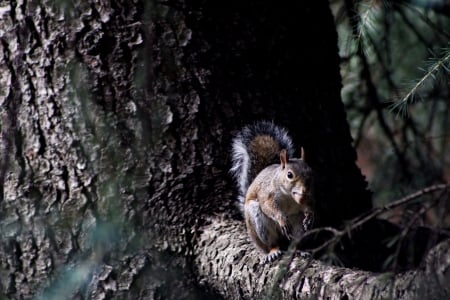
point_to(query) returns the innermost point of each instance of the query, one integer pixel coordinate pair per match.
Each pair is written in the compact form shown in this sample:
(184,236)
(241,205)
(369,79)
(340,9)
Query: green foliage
(395,62)
(435,70)
(395,67)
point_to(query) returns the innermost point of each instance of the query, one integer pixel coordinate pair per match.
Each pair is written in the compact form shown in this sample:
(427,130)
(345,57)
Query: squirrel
(275,190)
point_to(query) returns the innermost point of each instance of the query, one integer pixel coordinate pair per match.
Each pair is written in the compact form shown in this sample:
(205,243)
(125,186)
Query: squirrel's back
(254,148)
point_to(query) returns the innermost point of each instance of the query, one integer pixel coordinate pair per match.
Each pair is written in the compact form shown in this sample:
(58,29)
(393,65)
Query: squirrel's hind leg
(273,254)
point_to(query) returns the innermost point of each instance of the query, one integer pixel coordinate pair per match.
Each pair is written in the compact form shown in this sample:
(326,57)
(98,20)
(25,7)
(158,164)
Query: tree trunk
(116,123)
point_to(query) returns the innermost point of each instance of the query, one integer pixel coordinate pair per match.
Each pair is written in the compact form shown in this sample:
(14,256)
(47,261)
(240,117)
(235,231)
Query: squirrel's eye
(290,175)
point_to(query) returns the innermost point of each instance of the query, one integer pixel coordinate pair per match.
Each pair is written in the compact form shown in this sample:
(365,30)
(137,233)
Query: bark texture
(116,119)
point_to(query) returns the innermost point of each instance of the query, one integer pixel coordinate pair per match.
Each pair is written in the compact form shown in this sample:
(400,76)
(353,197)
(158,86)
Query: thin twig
(379,210)
(358,221)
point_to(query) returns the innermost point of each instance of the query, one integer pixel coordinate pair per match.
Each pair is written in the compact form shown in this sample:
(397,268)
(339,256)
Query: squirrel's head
(297,178)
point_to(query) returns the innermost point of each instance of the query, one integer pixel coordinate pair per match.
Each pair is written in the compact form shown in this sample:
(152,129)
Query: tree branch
(229,264)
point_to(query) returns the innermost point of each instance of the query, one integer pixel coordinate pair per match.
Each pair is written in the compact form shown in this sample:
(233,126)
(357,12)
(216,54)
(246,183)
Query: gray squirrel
(275,190)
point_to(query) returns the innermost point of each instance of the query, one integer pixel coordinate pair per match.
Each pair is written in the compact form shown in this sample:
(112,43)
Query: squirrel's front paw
(304,254)
(308,221)
(286,230)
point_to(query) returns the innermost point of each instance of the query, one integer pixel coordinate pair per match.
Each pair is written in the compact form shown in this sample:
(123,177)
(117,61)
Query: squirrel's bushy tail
(254,148)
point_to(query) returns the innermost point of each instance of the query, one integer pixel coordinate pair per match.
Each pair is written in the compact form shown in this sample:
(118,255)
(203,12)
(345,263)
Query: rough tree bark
(116,119)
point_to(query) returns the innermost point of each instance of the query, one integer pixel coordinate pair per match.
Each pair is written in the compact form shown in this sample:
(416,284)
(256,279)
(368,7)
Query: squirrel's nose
(298,194)
(299,190)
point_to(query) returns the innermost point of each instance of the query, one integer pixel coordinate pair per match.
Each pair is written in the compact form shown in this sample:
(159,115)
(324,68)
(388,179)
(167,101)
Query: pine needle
(432,71)
(367,20)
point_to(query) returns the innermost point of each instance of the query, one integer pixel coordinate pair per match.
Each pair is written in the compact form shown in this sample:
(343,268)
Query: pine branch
(372,93)
(433,70)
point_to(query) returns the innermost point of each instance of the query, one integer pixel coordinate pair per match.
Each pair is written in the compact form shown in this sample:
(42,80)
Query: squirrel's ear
(283,158)
(302,153)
